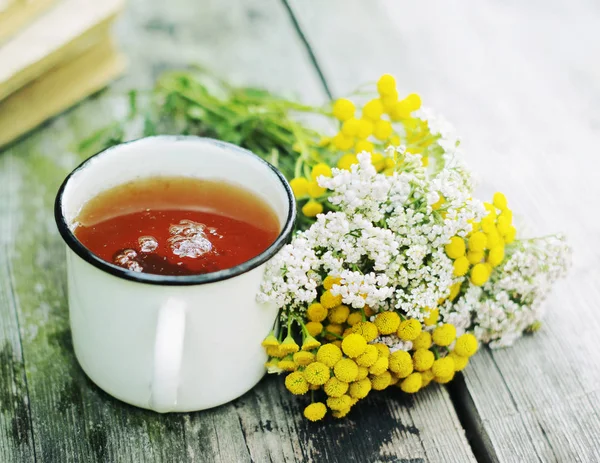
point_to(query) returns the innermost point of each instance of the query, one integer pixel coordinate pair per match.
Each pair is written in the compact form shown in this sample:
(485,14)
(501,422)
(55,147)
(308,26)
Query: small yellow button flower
(336,329)
(329,355)
(354,345)
(339,314)
(310,343)
(373,109)
(367,330)
(320,169)
(273,351)
(503,225)
(456,247)
(339,403)
(412,102)
(270,341)
(303,358)
(454,290)
(330,301)
(409,329)
(288,364)
(315,190)
(299,187)
(316,373)
(423,341)
(382,349)
(335,388)
(499,200)
(345,370)
(364,145)
(439,203)
(387,322)
(382,381)
(444,335)
(354,318)
(496,256)
(314,328)
(296,384)
(423,359)
(466,345)
(347,161)
(360,389)
(343,142)
(443,367)
(400,112)
(461,266)
(431,317)
(380,365)
(382,129)
(312,208)
(363,372)
(386,84)
(475,257)
(330,281)
(316,312)
(288,346)
(343,109)
(340,413)
(315,411)
(395,140)
(426,377)
(350,127)
(494,239)
(368,357)
(444,379)
(401,363)
(459,362)
(510,235)
(412,383)
(365,128)
(480,273)
(378,161)
(477,241)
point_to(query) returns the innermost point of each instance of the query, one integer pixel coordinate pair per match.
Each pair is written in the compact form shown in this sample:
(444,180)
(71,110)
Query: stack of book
(53,53)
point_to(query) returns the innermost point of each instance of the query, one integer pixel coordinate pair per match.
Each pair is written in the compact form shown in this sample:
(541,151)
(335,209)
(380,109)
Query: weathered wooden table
(520,80)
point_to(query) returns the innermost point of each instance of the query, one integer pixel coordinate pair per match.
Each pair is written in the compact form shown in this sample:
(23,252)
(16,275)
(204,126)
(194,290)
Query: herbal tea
(176,225)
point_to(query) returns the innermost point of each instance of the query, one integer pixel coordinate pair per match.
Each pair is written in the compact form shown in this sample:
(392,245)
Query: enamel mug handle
(168,353)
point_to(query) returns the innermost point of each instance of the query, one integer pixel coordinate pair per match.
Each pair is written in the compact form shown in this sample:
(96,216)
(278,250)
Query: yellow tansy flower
(312,208)
(444,335)
(480,273)
(320,169)
(330,281)
(347,161)
(401,363)
(456,247)
(412,383)
(368,357)
(409,329)
(499,200)
(342,142)
(335,388)
(314,328)
(444,379)
(330,301)
(316,312)
(296,384)
(423,341)
(460,362)
(288,346)
(387,322)
(343,109)
(310,343)
(329,355)
(431,318)
(339,403)
(364,145)
(303,358)
(427,377)
(423,359)
(270,341)
(367,330)
(496,256)
(363,372)
(373,109)
(382,381)
(386,84)
(475,257)
(346,370)
(461,266)
(315,190)
(443,367)
(339,314)
(454,290)
(360,389)
(365,129)
(382,349)
(353,345)
(334,330)
(299,187)
(382,130)
(350,127)
(354,318)
(380,365)
(316,373)
(466,345)
(315,411)
(477,241)
(288,364)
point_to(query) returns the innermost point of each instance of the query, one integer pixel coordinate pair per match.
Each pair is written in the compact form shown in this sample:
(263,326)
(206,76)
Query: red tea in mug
(177,225)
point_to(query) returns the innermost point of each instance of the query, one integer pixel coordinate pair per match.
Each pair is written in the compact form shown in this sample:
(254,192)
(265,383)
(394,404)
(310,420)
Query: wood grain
(527,102)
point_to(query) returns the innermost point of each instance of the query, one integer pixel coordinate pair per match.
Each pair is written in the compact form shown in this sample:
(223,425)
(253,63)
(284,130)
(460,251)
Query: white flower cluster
(511,301)
(385,242)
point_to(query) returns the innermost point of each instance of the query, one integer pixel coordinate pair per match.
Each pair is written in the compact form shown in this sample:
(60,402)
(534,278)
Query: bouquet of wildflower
(397,272)
(402,272)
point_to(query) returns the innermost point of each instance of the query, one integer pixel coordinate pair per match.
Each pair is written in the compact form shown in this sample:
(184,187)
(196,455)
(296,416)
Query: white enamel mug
(170,343)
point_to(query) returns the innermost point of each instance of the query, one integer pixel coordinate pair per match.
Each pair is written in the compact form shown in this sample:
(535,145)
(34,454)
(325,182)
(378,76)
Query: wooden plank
(16,443)
(521,97)
(66,31)
(16,15)
(59,89)
(251,42)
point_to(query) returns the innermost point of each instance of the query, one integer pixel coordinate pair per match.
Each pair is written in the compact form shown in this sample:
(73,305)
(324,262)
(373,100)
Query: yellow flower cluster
(350,363)
(483,248)
(382,121)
